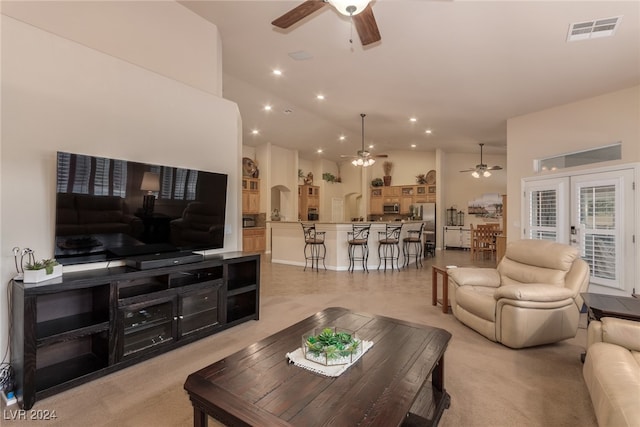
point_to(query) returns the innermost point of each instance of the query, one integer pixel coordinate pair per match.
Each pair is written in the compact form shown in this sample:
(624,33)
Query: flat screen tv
(110,209)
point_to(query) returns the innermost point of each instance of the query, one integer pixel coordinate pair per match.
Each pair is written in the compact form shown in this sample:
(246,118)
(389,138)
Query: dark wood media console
(87,324)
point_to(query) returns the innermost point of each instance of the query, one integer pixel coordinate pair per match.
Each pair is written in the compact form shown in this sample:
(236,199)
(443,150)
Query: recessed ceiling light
(277,72)
(413,119)
(428,131)
(267,108)
(370,145)
(255,131)
(342,137)
(320,96)
(319,150)
(413,145)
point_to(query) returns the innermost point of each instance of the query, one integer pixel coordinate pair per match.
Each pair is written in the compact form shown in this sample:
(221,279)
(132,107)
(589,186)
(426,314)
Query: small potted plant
(329,177)
(38,271)
(377,182)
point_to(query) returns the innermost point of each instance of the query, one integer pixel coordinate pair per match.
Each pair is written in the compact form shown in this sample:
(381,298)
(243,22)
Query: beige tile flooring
(490,385)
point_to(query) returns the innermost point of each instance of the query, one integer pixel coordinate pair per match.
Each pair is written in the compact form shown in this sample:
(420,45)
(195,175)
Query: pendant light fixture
(364,157)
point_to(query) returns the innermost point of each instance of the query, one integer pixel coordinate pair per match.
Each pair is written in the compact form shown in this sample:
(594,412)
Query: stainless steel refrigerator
(427,212)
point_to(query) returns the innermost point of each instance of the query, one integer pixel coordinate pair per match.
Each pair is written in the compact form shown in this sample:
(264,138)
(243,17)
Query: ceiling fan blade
(298,13)
(366,26)
(495,168)
(469,170)
(382,156)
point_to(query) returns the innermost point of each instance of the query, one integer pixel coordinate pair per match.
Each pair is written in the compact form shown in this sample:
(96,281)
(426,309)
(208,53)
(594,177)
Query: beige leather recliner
(612,371)
(531,298)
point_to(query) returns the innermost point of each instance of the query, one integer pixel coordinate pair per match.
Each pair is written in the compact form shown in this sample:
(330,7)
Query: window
(579,158)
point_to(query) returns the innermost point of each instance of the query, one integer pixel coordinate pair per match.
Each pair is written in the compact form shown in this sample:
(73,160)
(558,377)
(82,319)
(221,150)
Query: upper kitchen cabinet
(250,195)
(308,202)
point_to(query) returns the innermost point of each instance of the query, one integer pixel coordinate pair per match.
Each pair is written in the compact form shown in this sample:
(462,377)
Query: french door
(595,213)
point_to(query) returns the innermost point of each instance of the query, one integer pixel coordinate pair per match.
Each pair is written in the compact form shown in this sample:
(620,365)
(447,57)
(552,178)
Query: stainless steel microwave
(391,208)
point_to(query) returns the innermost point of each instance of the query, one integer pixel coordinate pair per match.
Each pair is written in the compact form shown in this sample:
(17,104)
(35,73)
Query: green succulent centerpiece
(331,346)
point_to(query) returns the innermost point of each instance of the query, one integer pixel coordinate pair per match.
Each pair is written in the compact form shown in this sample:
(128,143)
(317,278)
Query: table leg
(445,292)
(434,286)
(200,418)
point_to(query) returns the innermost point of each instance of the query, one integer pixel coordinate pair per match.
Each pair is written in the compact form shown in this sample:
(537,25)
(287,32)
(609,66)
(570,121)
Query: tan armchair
(531,298)
(612,371)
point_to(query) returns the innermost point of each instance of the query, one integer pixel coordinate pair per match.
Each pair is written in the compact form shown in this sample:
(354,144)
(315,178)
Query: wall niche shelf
(91,323)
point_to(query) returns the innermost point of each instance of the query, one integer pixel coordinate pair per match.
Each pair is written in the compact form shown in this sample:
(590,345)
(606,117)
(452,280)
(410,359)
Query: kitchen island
(287,242)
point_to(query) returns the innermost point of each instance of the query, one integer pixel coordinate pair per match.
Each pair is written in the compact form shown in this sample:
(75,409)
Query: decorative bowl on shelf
(331,346)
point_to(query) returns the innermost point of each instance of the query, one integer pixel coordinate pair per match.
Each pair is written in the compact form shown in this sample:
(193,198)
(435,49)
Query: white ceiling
(462,68)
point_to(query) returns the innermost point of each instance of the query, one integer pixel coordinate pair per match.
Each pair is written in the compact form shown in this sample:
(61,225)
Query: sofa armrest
(468,276)
(534,292)
(622,332)
(594,332)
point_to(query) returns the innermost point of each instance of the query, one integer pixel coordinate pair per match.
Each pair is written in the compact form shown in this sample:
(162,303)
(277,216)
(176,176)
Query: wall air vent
(593,29)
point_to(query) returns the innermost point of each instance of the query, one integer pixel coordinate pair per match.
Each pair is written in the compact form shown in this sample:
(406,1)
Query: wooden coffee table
(399,381)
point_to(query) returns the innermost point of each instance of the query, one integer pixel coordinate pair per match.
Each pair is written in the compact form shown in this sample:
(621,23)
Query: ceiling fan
(482,169)
(360,12)
(364,157)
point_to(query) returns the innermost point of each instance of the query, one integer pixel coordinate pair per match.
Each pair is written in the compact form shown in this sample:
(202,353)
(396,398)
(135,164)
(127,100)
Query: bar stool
(314,248)
(389,245)
(412,246)
(359,238)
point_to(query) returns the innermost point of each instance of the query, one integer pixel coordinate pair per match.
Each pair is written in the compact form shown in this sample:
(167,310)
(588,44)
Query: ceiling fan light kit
(362,162)
(349,7)
(482,169)
(364,158)
(359,11)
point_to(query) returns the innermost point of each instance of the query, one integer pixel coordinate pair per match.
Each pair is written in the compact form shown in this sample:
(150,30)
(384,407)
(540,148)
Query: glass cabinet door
(198,310)
(147,325)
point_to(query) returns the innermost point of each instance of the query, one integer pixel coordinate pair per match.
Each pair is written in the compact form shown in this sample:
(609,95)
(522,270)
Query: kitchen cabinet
(404,195)
(407,198)
(431,193)
(420,194)
(254,239)
(308,202)
(250,195)
(391,194)
(376,201)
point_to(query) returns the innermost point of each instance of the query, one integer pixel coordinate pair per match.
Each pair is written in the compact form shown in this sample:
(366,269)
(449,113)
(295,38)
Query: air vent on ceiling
(593,29)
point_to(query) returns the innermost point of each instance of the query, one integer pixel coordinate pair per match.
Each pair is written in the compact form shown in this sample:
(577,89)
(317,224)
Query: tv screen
(110,209)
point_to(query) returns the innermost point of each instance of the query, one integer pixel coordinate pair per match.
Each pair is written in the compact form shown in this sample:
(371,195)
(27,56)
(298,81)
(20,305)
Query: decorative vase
(387,180)
(35,276)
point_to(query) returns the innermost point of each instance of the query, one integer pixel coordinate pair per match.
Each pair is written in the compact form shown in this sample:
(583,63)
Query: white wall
(59,94)
(589,123)
(162,36)
(406,166)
